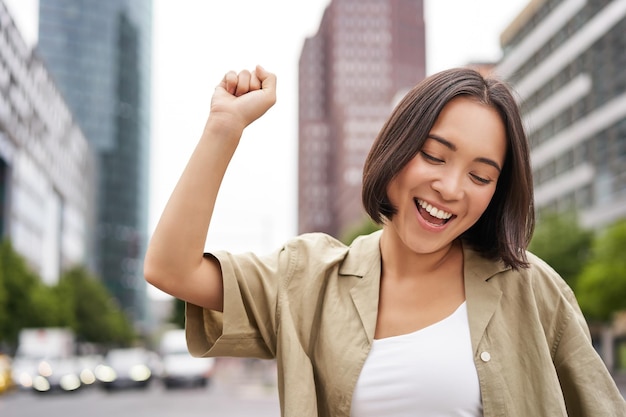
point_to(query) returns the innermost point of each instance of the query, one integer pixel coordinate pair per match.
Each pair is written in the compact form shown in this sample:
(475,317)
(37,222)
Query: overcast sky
(197,41)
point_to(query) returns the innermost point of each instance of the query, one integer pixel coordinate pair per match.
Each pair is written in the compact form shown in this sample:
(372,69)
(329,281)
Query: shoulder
(316,240)
(544,278)
(553,298)
(320,245)
(538,284)
(315,248)
(537,293)
(302,255)
(537,276)
(319,251)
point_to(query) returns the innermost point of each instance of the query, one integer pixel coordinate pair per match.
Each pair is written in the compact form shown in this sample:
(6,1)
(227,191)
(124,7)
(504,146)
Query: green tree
(365,227)
(601,288)
(91,311)
(178,313)
(18,283)
(47,307)
(562,243)
(78,301)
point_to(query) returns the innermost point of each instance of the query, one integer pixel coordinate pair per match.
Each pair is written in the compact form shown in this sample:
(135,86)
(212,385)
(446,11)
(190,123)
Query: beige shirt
(312,305)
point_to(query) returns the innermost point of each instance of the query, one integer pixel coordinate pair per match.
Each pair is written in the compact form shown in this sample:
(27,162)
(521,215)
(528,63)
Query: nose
(449,186)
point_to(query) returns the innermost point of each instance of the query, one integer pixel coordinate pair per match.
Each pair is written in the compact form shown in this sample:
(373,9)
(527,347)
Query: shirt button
(485,356)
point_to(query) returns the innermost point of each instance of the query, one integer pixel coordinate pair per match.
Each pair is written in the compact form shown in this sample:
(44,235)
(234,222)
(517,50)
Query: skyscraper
(46,165)
(566,60)
(99,54)
(365,54)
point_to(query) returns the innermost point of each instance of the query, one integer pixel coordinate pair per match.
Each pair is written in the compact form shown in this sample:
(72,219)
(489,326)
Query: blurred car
(23,370)
(57,374)
(45,360)
(6,379)
(87,367)
(179,367)
(46,374)
(126,368)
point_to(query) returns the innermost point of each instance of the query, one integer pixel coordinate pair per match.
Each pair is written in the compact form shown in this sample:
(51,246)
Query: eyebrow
(453,147)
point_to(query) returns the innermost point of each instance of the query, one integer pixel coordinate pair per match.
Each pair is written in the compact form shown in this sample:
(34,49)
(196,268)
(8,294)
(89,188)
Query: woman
(440,313)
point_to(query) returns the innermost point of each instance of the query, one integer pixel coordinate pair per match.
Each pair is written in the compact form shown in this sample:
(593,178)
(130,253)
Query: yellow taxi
(6,381)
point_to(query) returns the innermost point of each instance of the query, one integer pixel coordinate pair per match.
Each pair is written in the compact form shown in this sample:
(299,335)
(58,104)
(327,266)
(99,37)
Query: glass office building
(47,172)
(99,54)
(566,60)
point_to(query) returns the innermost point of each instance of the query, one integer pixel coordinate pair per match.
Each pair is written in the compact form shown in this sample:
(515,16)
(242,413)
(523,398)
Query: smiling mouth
(431,214)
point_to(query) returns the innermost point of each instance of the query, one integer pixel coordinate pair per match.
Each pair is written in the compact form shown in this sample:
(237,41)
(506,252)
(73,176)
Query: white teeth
(433,211)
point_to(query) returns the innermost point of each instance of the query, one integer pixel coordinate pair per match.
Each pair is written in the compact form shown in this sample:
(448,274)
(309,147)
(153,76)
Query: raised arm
(174,260)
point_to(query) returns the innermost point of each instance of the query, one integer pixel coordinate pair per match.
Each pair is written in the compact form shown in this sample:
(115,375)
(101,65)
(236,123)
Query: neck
(402,261)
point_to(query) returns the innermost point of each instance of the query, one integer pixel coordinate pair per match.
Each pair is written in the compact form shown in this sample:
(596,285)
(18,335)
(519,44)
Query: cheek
(392,192)
(482,200)
(402,181)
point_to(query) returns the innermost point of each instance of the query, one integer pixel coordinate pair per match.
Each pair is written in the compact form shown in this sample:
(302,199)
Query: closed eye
(480,180)
(431,158)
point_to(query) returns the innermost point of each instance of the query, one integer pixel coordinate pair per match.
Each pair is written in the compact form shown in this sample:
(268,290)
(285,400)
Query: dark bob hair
(505,228)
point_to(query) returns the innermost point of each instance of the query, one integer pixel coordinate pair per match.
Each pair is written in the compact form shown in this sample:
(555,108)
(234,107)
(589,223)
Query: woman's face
(448,185)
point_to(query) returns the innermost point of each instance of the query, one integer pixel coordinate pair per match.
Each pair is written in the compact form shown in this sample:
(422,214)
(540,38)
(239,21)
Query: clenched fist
(241,98)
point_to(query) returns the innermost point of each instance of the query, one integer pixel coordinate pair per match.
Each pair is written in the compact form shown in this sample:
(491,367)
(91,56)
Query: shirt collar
(364,261)
(364,254)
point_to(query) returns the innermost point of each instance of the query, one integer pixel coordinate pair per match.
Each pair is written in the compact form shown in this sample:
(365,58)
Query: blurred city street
(239,388)
(103,103)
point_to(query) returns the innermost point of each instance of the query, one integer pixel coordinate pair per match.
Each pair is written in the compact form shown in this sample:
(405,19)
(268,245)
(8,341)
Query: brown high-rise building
(365,54)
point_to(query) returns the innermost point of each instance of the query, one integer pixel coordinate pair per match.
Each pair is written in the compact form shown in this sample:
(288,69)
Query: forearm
(174,260)
(177,244)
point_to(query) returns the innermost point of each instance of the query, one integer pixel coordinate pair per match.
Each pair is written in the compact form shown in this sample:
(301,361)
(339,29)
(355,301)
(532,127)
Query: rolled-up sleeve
(247,326)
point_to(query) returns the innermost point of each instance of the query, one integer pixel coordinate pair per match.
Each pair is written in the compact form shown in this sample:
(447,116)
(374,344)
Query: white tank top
(429,372)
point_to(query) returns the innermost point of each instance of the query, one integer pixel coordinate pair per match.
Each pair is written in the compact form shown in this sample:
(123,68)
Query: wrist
(226,129)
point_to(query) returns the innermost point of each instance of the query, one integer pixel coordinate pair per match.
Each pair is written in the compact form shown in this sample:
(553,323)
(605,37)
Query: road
(239,389)
(232,393)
